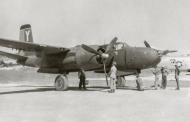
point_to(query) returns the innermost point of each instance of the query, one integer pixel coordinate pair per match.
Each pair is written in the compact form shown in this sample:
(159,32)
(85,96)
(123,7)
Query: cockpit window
(119,46)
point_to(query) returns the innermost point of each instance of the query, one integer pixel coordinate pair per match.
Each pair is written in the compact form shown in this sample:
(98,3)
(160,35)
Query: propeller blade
(91,58)
(110,51)
(165,52)
(89,49)
(147,44)
(105,73)
(110,47)
(160,52)
(111,61)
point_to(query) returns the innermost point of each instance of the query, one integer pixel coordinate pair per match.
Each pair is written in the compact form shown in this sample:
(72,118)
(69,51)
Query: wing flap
(13,56)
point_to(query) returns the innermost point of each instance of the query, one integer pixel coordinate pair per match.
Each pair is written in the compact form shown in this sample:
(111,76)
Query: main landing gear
(121,81)
(61,83)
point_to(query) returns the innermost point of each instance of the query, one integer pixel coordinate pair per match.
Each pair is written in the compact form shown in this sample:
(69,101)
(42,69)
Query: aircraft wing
(13,56)
(27,46)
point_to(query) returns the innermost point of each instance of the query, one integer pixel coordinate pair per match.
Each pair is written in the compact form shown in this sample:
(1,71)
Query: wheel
(61,83)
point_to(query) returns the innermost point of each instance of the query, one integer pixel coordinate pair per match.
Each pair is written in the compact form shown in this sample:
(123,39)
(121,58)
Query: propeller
(110,50)
(89,49)
(108,54)
(165,52)
(147,44)
(160,52)
(110,47)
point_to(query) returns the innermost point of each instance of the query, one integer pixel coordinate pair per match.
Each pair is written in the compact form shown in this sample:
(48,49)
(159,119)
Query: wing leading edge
(26,46)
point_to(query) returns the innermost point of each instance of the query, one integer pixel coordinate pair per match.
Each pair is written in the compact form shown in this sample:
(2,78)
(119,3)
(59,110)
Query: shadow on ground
(51,88)
(28,91)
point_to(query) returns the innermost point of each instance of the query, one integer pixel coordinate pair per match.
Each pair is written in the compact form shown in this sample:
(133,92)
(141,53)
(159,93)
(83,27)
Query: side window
(119,46)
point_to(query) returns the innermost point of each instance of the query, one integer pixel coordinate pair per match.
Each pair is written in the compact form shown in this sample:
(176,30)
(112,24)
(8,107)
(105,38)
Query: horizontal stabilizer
(13,56)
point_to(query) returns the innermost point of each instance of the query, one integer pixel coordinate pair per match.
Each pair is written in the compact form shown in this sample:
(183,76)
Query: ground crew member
(82,77)
(139,82)
(177,72)
(156,74)
(113,77)
(164,77)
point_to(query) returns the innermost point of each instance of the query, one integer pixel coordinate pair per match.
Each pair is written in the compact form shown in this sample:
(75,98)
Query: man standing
(113,76)
(82,77)
(156,74)
(177,72)
(164,77)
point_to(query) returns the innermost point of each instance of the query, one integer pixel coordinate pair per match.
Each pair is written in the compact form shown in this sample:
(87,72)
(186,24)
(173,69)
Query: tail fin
(26,36)
(26,33)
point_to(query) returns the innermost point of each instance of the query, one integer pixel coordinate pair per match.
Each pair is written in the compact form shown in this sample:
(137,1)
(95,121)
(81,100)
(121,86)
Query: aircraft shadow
(28,91)
(34,86)
(45,89)
(51,88)
(77,89)
(133,88)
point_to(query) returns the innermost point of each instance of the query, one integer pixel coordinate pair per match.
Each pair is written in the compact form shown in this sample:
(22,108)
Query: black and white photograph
(94,61)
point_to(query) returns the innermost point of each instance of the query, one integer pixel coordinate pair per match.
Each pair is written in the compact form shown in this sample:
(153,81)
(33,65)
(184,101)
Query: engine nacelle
(30,61)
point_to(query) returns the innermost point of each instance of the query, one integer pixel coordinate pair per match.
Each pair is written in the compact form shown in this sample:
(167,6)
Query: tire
(61,83)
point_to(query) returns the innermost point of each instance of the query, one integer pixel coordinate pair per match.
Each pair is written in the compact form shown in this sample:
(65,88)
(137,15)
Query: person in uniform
(139,82)
(82,77)
(113,77)
(164,77)
(156,74)
(177,72)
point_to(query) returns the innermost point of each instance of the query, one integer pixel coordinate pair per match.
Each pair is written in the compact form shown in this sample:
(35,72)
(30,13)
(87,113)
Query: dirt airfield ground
(33,99)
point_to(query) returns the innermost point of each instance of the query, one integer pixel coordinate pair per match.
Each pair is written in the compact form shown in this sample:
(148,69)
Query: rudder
(26,33)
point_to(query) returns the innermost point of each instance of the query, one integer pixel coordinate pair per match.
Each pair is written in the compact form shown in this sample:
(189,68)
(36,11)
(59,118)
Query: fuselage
(127,58)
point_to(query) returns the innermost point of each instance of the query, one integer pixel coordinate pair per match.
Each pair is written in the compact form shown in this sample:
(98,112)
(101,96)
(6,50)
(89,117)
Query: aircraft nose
(152,58)
(155,57)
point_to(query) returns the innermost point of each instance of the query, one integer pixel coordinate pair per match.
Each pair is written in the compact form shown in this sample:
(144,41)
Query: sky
(165,24)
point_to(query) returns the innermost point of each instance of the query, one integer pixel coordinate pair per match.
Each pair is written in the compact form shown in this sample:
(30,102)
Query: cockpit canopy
(120,45)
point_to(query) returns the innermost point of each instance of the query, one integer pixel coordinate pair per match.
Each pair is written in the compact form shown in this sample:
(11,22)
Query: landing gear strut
(139,81)
(121,81)
(61,83)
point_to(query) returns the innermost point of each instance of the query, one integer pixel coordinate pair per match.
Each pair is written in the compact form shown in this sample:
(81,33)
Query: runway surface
(33,98)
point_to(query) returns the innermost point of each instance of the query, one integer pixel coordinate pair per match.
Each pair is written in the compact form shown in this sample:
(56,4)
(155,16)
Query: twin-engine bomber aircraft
(97,58)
